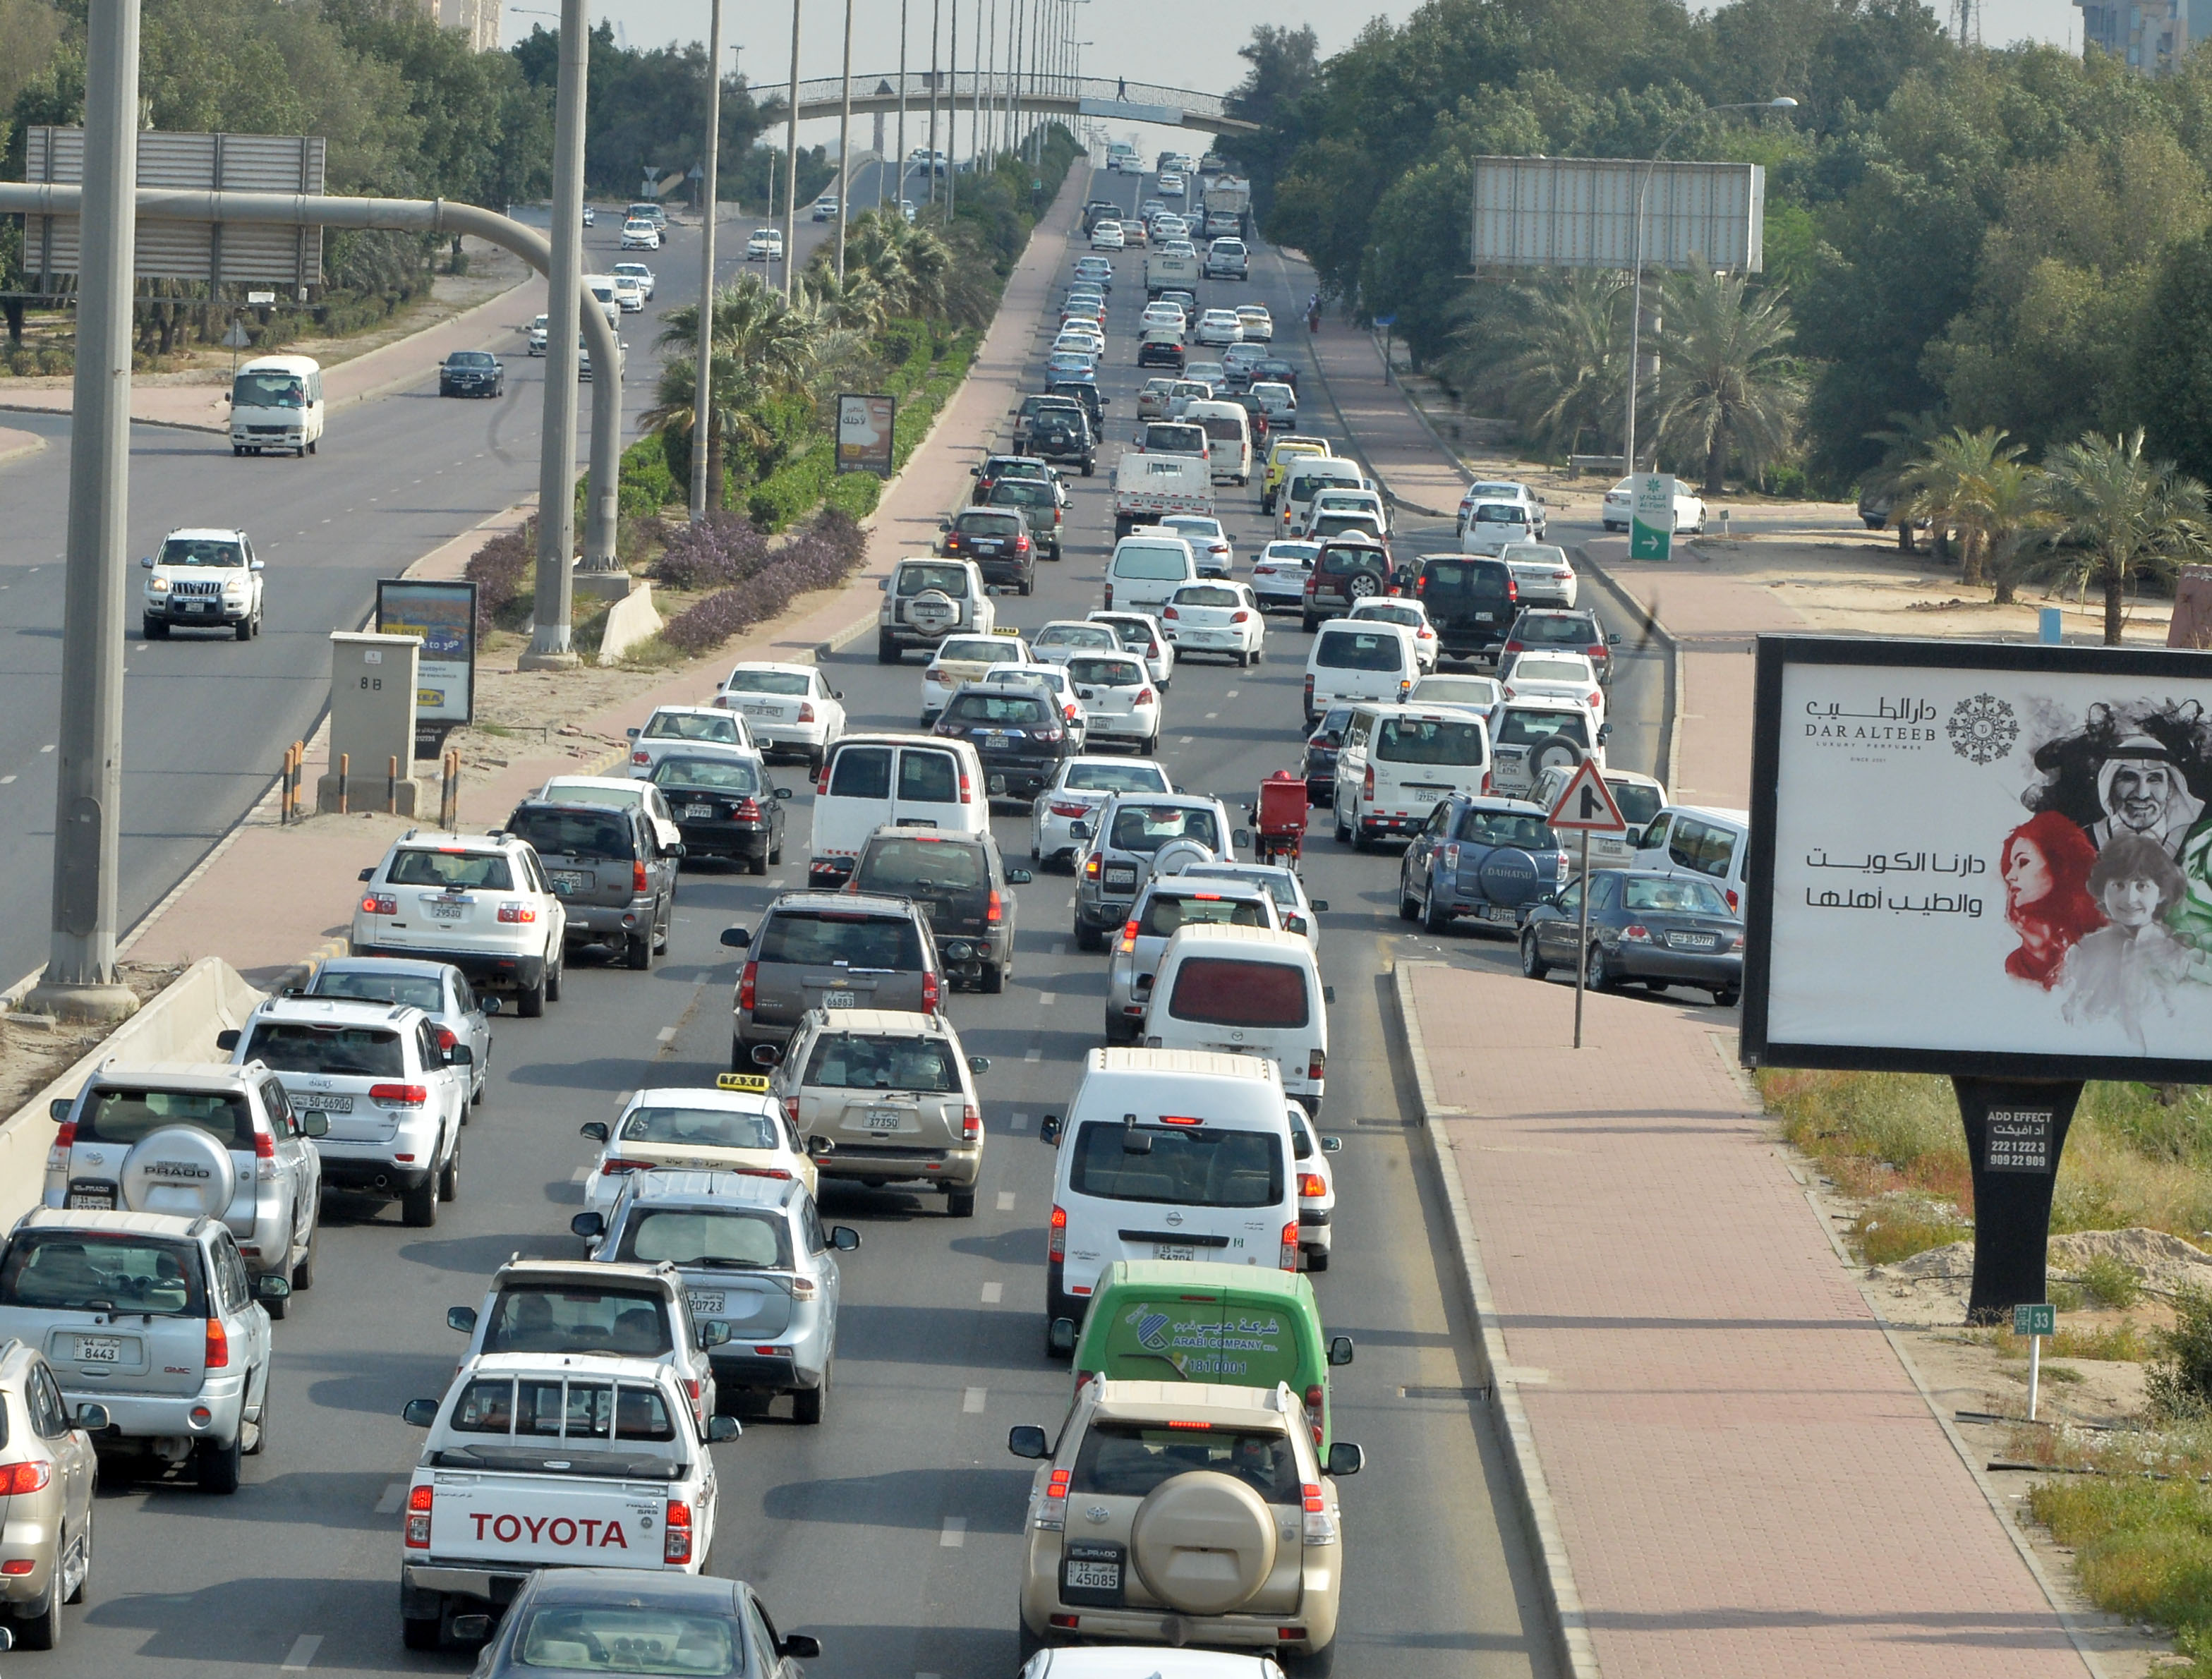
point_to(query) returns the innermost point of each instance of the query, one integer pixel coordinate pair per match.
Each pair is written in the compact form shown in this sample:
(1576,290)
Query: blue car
(1489,859)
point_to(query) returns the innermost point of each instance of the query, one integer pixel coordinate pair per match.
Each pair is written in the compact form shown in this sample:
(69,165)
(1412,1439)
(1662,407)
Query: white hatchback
(1121,704)
(1410,614)
(1689,509)
(1076,791)
(1279,575)
(1217,617)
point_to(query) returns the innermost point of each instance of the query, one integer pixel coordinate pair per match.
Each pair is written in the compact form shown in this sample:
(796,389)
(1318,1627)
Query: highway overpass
(1047,95)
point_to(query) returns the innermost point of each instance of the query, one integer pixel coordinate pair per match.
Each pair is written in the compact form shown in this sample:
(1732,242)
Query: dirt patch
(35,1050)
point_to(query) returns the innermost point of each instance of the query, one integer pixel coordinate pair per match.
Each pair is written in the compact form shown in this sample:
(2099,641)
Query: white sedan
(1689,509)
(1309,1152)
(1543,674)
(1259,325)
(1082,785)
(1277,402)
(1218,326)
(1215,617)
(1415,617)
(639,236)
(1107,236)
(1300,914)
(1209,543)
(764,245)
(690,732)
(1279,575)
(790,708)
(1089,344)
(1162,314)
(735,1127)
(1542,572)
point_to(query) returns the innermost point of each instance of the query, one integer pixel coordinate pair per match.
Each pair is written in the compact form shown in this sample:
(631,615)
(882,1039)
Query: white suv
(393,1100)
(479,901)
(203,580)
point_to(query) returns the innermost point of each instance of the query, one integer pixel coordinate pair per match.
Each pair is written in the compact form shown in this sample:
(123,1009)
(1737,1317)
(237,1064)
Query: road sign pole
(702,415)
(2034,1371)
(1582,942)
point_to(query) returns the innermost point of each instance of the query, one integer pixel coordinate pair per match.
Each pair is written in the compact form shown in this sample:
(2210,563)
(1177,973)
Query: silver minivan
(1700,839)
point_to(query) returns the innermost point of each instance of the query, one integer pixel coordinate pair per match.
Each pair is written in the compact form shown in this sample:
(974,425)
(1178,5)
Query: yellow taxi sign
(1002,629)
(754,1084)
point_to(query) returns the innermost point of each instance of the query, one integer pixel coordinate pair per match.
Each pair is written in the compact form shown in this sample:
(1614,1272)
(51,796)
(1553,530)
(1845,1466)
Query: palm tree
(1904,440)
(2120,517)
(1570,377)
(2015,505)
(1949,485)
(1726,381)
(759,345)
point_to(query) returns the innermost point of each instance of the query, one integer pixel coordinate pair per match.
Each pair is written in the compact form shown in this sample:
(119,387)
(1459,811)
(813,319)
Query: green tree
(2120,517)
(1286,65)
(761,347)
(1727,383)
(1951,485)
(2169,381)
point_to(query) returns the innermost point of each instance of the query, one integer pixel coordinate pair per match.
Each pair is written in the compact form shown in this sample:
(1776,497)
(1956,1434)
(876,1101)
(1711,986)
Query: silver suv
(199,1140)
(393,1098)
(153,1317)
(1117,848)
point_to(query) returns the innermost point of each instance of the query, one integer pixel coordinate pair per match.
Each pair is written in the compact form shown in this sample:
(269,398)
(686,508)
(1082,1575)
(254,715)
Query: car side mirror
(226,1040)
(146,564)
(1018,877)
(461,1318)
(273,1288)
(1344,1458)
(973,472)
(736,937)
(369,873)
(1329,994)
(836,694)
(594,1128)
(92,1417)
(315,1125)
(257,565)
(1080,830)
(590,1226)
(632,733)
(714,1334)
(766,1055)
(1049,1129)
(844,1238)
(882,586)
(1631,836)
(1026,1439)
(460,1056)
(675,852)
(800,1646)
(719,1428)
(58,1109)
(1340,1349)
(783,793)
(1319,907)
(1613,640)
(419,1413)
(1332,1145)
(819,1146)
(489,1004)
(944,524)
(1604,733)
(979,1064)
(471,1628)
(1242,836)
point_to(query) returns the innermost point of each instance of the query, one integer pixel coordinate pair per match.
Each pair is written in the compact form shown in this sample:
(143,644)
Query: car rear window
(899,866)
(1020,492)
(1008,710)
(861,1061)
(1508,828)
(1231,990)
(691,726)
(980,648)
(1702,846)
(413,990)
(1356,650)
(919,579)
(1170,910)
(1186,1337)
(1109,673)
(720,775)
(1558,631)
(730,1237)
(1222,429)
(1340,524)
(1456,691)
(1500,512)
(578,1318)
(1176,440)
(1116,778)
(68,1270)
(344,1051)
(766,682)
(1151,562)
(1187,1165)
(1522,727)
(1537,668)
(1638,803)
(548,1408)
(699,1128)
(1682,897)
(452,870)
(861,772)
(121,1114)
(1121,1460)
(1405,740)
(928,777)
(604,834)
(993,524)
(811,939)
(1147,828)
(1465,578)
(1208,595)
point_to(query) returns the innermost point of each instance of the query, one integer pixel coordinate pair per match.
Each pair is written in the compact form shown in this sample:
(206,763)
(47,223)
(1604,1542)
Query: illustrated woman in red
(2046,863)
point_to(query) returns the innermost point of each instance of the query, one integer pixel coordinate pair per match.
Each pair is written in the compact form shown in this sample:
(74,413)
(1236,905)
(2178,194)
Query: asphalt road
(207,719)
(893,1529)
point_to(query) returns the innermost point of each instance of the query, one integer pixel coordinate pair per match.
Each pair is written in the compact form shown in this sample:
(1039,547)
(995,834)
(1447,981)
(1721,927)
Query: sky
(1177,43)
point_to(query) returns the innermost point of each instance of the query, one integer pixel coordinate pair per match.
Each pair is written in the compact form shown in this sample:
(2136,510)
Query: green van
(1192,1320)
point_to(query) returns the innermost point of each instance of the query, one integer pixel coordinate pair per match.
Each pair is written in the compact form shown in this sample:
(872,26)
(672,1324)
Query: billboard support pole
(2016,1133)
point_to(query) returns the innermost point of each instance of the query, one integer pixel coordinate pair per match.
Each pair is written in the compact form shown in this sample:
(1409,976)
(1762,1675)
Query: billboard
(1580,212)
(1981,859)
(864,434)
(1651,516)
(443,616)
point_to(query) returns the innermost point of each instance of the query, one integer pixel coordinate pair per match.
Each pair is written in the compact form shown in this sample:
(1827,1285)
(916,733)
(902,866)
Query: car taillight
(1637,931)
(1512,589)
(1731,900)
(516,914)
(1517,646)
(1091,869)
(636,876)
(971,1123)
(1288,1258)
(1367,783)
(675,1531)
(1240,616)
(418,1518)
(1317,1062)
(967,792)
(1109,596)
(1559,869)
(1421,583)
(264,1148)
(1507,692)
(746,986)
(802,1288)
(1128,936)
(641,756)
(217,1355)
(1171,613)
(380,903)
(929,994)
(1021,544)
(1600,652)
(1320,1525)
(822,785)
(447,1040)
(1311,581)
(1052,1508)
(398,1095)
(1308,692)
(746,810)
(1069,809)
(615,1168)
(1145,697)
(1310,1186)
(31,1477)
(1486,783)
(1056,1245)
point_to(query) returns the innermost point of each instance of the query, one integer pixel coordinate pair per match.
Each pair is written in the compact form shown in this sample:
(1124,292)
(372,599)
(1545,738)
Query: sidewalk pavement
(269,897)
(1730,1470)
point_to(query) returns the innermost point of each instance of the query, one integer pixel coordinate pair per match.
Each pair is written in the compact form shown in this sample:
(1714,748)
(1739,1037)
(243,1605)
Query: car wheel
(1597,971)
(157,629)
(1533,965)
(1309,623)
(420,1632)
(418,1207)
(477,1097)
(1243,658)
(993,980)
(1343,829)
(775,851)
(1317,1259)
(1409,908)
(449,1180)
(530,1001)
(554,976)
(637,952)
(757,865)
(303,1274)
(1313,1665)
(244,628)
(218,1464)
(1088,938)
(1436,915)
(961,1204)
(808,1403)
(42,1630)
(887,651)
(1727,996)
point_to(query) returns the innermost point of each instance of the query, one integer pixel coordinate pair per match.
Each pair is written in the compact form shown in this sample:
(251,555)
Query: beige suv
(1181,1512)
(48,1484)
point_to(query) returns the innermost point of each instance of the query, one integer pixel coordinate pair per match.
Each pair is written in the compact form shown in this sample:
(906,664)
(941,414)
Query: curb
(1563,1604)
(136,420)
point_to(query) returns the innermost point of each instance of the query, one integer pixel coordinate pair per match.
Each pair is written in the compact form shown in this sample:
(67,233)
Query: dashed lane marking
(1006,1201)
(666,1035)
(303,1652)
(971,1401)
(993,1292)
(395,1494)
(954,1534)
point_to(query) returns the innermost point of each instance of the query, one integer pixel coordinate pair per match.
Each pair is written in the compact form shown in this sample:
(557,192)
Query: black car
(1064,435)
(1038,503)
(1017,732)
(1321,747)
(1343,574)
(724,807)
(1160,353)
(1554,627)
(961,883)
(998,539)
(472,374)
(1274,368)
(1472,601)
(575,1620)
(1486,858)
(1084,391)
(1025,417)
(1653,928)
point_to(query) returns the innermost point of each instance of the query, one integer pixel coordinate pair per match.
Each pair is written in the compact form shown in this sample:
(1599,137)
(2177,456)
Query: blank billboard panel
(1577,212)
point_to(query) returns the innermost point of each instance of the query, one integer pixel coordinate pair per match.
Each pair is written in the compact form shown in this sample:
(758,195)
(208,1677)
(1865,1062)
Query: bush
(820,557)
(793,489)
(722,550)
(503,570)
(2179,1385)
(2113,1280)
(854,494)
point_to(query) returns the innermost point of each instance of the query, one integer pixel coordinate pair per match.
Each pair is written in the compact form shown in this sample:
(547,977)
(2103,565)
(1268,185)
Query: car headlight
(157,585)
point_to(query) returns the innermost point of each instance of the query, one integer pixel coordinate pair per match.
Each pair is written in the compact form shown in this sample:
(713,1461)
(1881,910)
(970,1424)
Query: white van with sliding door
(1700,839)
(1244,991)
(1397,762)
(873,781)
(1229,437)
(276,405)
(1146,571)
(1354,659)
(1169,1155)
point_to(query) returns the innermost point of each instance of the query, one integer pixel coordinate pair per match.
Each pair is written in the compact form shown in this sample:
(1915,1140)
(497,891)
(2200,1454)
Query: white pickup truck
(1147,487)
(540,1461)
(1168,271)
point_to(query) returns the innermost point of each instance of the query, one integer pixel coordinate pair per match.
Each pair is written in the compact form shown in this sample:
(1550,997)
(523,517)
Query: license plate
(1120,877)
(883,1120)
(698,813)
(759,711)
(98,1350)
(999,742)
(1428,793)
(704,1306)
(324,1101)
(1093,1576)
(1174,1251)
(566,880)
(1499,912)
(101,1198)
(837,999)
(1484,618)
(1692,940)
(444,911)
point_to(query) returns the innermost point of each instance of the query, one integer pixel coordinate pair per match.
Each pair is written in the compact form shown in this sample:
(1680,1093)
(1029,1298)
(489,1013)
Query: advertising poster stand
(2015,1132)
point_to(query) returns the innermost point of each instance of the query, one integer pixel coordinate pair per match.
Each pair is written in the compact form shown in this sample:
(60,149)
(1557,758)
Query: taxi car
(735,1126)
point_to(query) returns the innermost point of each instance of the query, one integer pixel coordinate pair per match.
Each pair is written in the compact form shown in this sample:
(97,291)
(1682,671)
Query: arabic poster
(864,434)
(1991,861)
(443,615)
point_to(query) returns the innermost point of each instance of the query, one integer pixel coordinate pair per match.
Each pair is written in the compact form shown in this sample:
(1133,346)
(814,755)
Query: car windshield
(739,1238)
(1228,990)
(344,1051)
(919,579)
(269,390)
(1405,740)
(1524,832)
(1187,1165)
(699,1128)
(767,682)
(630,1639)
(1114,777)
(720,775)
(859,1061)
(1526,727)
(413,990)
(578,1317)
(831,939)
(1208,595)
(469,359)
(1683,897)
(900,866)
(601,834)
(1353,650)
(1016,711)
(1145,828)
(201,551)
(1165,911)
(1122,1460)
(124,1114)
(71,1270)
(691,726)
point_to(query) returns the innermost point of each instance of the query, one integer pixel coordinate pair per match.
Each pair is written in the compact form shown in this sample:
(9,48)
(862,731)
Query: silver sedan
(1078,791)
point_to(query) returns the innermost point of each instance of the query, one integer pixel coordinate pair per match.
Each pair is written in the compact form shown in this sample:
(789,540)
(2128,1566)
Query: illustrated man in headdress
(2143,794)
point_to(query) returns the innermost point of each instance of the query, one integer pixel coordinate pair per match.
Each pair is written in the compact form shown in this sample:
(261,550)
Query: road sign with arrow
(1585,804)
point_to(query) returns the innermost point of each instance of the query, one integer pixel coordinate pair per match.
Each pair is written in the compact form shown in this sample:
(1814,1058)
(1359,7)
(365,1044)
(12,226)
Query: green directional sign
(1651,516)
(2035,1320)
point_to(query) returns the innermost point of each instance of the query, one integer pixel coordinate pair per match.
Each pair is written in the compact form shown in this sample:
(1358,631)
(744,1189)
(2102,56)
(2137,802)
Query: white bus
(276,405)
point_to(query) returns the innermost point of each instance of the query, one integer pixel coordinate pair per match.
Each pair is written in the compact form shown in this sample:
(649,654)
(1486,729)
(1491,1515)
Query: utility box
(373,691)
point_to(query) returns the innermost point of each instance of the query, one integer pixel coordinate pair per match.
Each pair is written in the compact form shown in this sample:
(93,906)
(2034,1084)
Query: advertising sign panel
(864,434)
(1651,516)
(1981,859)
(444,615)
(1581,212)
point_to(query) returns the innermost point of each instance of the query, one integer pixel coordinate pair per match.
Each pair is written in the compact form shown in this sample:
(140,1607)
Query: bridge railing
(967,86)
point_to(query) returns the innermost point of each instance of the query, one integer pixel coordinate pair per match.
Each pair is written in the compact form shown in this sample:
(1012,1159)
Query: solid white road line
(582,1174)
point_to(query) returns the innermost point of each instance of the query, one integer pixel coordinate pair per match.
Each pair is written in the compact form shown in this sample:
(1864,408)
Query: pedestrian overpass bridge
(1040,96)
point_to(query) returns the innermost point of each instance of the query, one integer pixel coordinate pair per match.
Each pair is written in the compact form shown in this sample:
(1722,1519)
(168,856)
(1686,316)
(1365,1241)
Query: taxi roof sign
(754,1084)
(1585,804)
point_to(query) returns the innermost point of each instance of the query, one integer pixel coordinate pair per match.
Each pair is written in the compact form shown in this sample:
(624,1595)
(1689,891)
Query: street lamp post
(844,141)
(790,157)
(899,198)
(951,112)
(1636,306)
(935,7)
(702,402)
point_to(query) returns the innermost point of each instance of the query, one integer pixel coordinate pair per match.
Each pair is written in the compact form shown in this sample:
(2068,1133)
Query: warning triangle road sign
(1585,804)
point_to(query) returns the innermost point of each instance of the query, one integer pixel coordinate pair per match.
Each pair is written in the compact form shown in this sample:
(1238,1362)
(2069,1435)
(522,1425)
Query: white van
(1359,659)
(602,286)
(1303,479)
(1397,762)
(871,781)
(1229,430)
(276,403)
(1169,1155)
(1244,991)
(1700,839)
(1146,571)
(1494,526)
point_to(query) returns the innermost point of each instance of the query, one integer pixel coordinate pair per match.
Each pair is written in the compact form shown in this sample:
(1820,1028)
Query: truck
(538,1460)
(1164,272)
(1147,487)
(1229,195)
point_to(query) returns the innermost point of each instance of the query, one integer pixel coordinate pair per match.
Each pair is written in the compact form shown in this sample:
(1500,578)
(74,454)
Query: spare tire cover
(1178,855)
(932,612)
(1509,877)
(1563,753)
(1203,1542)
(178,1169)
